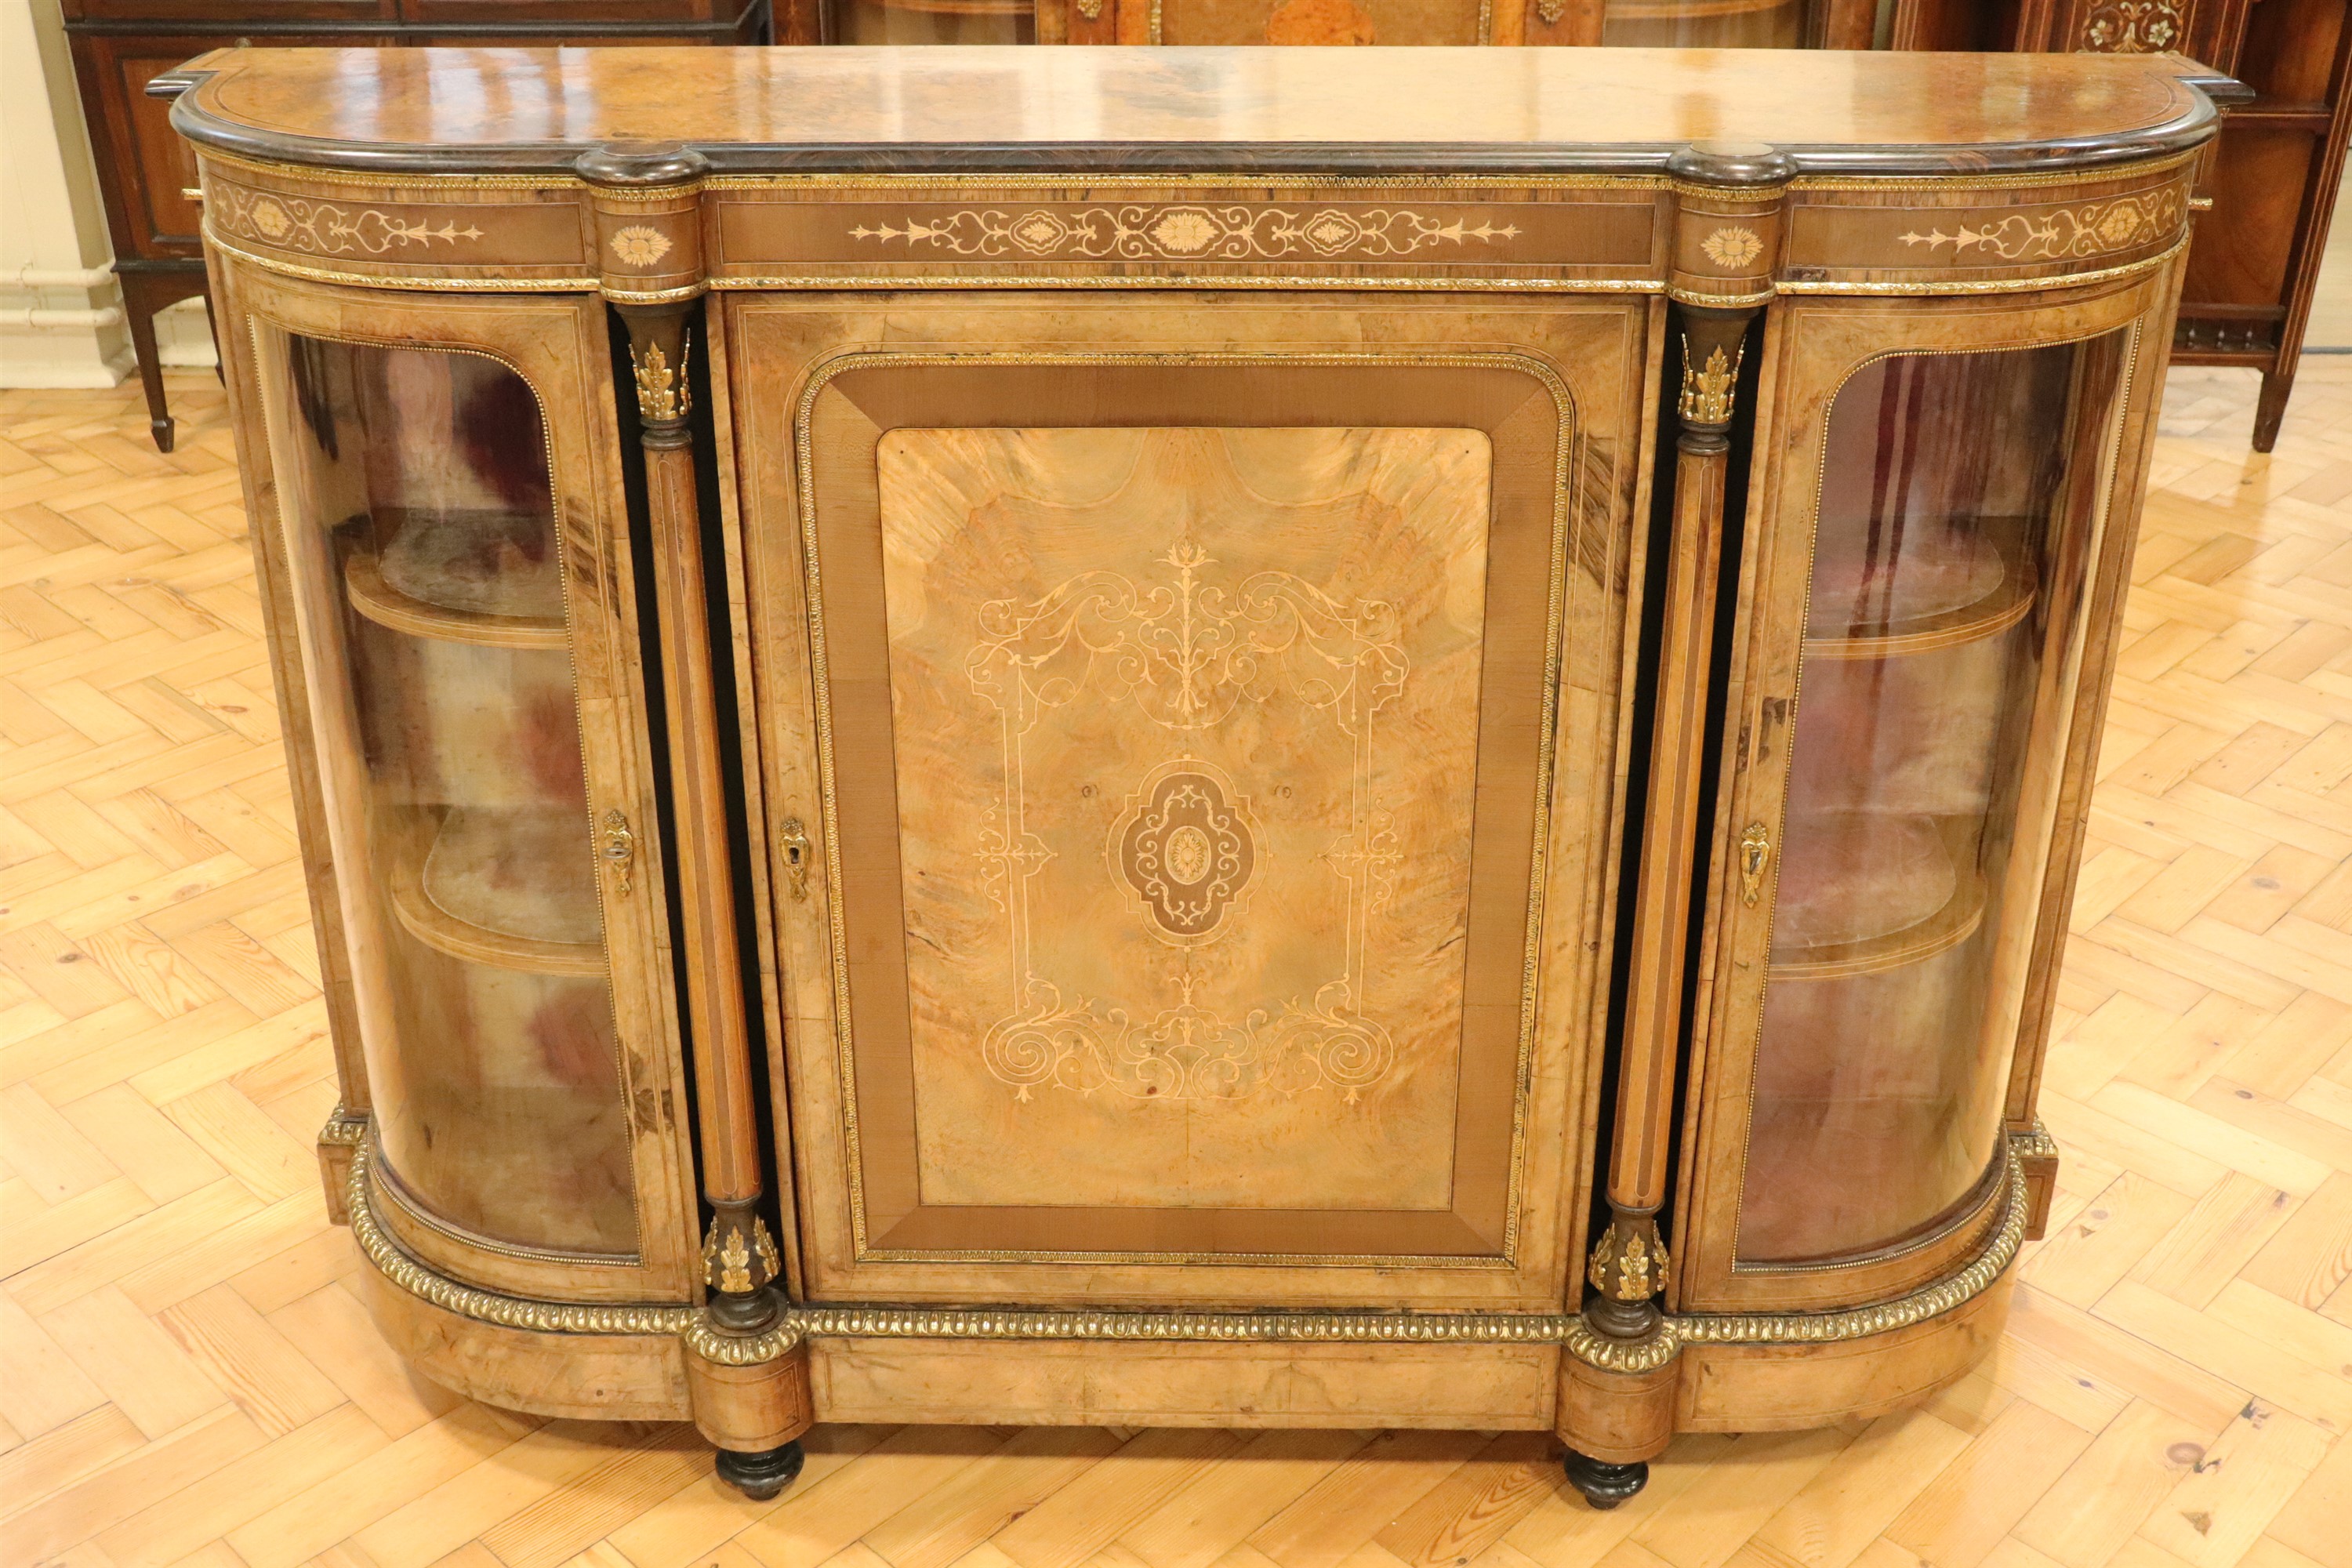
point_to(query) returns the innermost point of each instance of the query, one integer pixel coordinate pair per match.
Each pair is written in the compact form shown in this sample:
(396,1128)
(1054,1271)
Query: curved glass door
(429,595)
(1957,491)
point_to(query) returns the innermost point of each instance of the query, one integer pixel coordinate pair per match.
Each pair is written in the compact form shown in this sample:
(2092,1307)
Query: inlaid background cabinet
(1237,737)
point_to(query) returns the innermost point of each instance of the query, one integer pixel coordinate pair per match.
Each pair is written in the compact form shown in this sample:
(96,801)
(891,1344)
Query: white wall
(50,221)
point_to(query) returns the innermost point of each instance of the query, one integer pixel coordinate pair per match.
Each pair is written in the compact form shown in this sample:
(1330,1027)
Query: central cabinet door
(1192,743)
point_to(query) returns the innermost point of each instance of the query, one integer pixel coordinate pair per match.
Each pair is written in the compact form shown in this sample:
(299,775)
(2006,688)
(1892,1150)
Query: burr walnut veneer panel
(1205,847)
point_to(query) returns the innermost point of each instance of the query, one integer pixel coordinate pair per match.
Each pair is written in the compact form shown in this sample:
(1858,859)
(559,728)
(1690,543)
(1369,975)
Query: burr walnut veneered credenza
(1246,736)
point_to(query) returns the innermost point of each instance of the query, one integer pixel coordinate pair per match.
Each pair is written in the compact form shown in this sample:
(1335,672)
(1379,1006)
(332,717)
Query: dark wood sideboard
(2279,159)
(147,178)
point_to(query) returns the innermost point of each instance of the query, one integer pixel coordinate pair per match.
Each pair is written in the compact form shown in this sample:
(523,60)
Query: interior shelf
(512,889)
(1896,890)
(486,578)
(1966,585)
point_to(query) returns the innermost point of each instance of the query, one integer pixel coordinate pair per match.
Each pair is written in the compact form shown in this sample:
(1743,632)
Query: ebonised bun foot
(760,1475)
(1604,1486)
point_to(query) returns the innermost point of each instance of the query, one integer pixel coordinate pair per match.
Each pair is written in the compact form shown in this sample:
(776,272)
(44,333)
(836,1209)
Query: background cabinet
(1698,24)
(2275,175)
(146,175)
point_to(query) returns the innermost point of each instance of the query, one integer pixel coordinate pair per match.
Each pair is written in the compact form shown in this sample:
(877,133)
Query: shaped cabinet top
(1391,110)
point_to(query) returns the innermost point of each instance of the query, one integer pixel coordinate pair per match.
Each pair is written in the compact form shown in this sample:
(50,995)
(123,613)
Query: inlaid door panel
(1915,675)
(1193,761)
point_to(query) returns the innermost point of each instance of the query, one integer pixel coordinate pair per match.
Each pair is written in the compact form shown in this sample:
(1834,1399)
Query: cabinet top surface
(1602,111)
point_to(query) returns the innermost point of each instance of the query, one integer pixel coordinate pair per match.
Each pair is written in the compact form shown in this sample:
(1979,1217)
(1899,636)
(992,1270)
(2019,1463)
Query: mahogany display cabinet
(146,178)
(1653,24)
(1245,737)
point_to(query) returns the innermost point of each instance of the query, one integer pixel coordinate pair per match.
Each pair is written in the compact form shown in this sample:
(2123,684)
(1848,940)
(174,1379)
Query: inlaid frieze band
(514,240)
(2092,230)
(1183,232)
(334,229)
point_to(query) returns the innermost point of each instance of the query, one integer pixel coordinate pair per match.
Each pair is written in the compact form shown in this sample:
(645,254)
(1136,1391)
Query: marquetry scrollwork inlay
(2096,228)
(1188,232)
(2132,27)
(1186,653)
(325,229)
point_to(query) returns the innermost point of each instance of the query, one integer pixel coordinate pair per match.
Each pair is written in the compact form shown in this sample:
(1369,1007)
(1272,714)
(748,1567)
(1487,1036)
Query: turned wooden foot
(1604,1486)
(760,1475)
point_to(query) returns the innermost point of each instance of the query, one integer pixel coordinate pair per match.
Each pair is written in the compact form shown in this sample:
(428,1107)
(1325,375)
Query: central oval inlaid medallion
(1187,852)
(1188,855)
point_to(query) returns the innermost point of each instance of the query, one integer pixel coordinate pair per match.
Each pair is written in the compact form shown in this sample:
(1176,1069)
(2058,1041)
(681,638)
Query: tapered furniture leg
(140,302)
(147,288)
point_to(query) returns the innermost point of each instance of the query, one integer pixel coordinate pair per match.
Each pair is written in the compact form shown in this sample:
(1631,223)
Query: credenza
(1242,736)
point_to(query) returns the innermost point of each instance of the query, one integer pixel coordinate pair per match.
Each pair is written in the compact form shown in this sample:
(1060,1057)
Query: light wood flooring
(189,1378)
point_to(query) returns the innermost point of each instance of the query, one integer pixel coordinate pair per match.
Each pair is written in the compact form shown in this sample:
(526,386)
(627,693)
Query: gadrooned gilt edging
(1570,1330)
(489,1306)
(1929,1301)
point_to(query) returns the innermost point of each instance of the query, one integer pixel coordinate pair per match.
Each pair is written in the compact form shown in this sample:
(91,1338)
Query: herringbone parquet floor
(189,1379)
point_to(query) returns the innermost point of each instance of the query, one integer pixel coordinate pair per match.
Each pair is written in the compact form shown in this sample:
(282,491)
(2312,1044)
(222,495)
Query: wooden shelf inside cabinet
(530,872)
(389,607)
(1988,614)
(1942,930)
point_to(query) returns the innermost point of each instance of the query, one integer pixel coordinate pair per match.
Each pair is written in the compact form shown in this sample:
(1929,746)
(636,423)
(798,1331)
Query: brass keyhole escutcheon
(1755,855)
(620,849)
(795,840)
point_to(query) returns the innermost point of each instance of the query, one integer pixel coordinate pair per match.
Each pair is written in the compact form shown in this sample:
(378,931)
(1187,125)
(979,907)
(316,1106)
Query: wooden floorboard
(187,1376)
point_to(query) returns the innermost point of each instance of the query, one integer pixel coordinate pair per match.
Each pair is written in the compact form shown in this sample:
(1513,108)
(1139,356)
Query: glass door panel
(420,531)
(1956,490)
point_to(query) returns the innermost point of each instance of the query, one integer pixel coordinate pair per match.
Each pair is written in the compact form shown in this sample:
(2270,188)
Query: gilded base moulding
(1617,1400)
